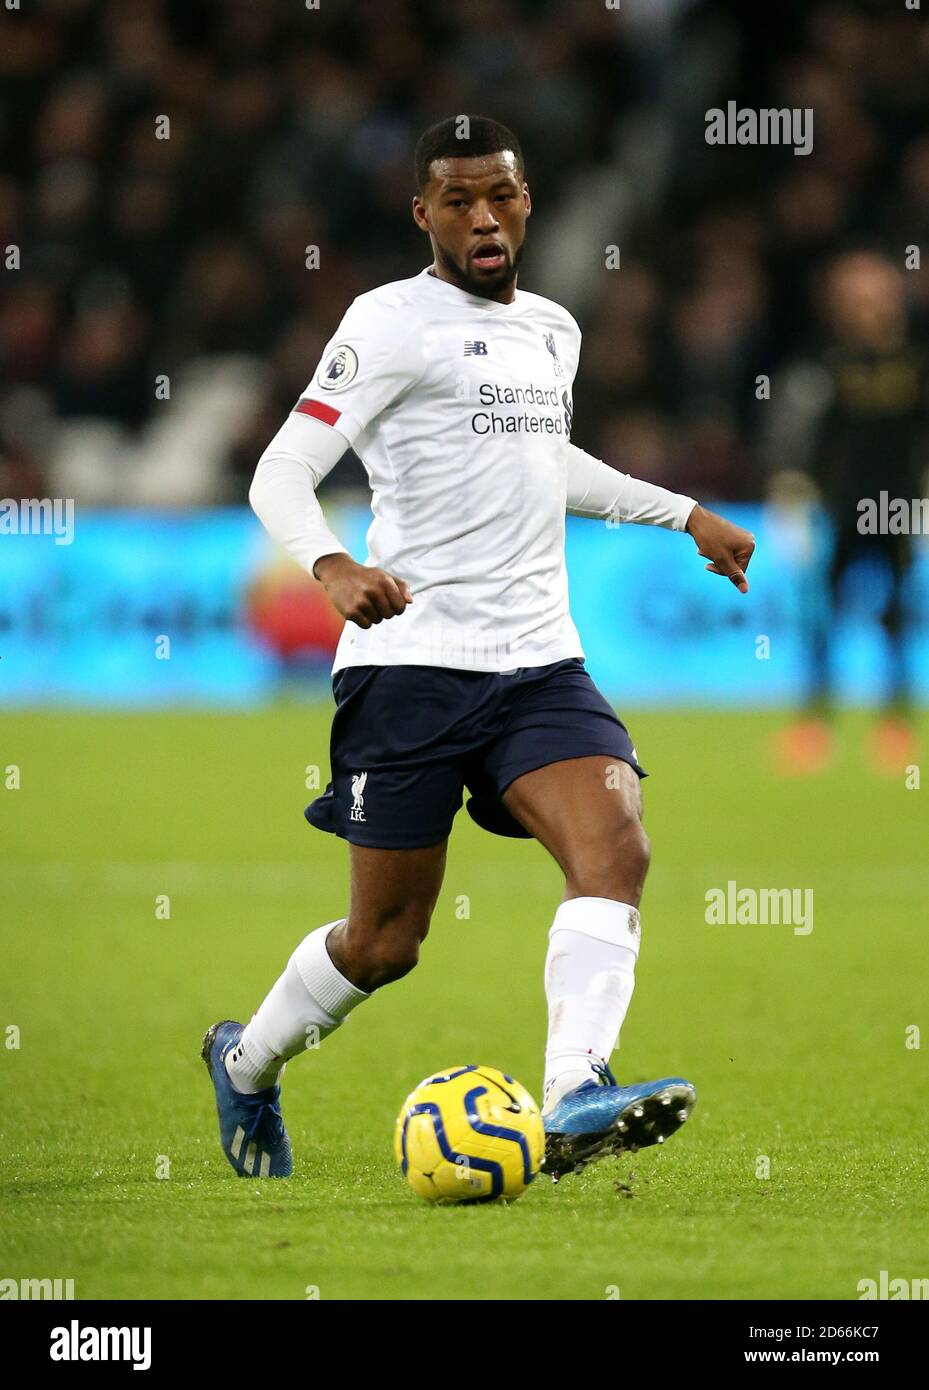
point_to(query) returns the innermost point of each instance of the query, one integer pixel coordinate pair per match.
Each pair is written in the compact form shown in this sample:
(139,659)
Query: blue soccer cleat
(602,1117)
(251,1128)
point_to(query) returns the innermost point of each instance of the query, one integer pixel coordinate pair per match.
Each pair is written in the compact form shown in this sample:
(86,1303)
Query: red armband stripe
(318,410)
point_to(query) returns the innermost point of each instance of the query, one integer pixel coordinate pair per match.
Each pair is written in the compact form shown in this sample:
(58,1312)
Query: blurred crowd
(145,247)
(726,281)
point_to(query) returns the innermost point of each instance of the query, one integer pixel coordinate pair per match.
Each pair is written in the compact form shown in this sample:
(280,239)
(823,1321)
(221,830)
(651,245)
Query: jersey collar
(475,301)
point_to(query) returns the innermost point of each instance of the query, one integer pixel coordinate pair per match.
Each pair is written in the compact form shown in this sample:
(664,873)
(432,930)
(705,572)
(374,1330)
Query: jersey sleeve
(574,333)
(597,490)
(283,490)
(375,355)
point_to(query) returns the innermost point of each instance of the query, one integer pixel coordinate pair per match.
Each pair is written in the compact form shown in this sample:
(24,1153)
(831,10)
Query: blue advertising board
(80,622)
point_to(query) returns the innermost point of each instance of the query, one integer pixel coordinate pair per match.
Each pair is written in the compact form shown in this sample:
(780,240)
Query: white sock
(309,1001)
(589,979)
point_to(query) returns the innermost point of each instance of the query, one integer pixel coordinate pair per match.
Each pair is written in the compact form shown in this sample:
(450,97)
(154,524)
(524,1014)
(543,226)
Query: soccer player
(857,417)
(459,665)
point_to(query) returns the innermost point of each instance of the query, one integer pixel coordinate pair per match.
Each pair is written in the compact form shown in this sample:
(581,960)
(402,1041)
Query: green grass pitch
(797,1044)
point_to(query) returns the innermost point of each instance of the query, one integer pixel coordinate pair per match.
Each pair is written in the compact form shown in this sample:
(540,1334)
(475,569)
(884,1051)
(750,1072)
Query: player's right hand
(362,594)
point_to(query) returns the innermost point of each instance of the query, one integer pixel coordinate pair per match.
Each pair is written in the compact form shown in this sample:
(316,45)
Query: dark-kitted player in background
(856,419)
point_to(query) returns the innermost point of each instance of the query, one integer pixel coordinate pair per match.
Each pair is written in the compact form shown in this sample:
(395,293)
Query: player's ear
(526,199)
(420,215)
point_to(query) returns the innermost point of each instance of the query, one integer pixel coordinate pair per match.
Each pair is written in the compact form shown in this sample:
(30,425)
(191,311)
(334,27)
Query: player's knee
(629,857)
(637,852)
(616,866)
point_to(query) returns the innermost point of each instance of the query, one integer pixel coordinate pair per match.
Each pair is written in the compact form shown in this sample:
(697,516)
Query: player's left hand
(727,547)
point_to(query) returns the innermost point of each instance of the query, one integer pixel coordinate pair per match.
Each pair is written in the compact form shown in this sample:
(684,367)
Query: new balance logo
(357,811)
(475,349)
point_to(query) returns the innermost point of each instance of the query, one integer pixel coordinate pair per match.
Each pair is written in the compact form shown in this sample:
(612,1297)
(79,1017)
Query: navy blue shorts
(407,740)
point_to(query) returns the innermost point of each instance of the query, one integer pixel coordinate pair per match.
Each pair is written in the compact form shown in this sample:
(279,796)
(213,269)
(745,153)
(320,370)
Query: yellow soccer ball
(469,1134)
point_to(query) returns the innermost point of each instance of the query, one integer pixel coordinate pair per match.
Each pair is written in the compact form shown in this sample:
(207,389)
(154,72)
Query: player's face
(475,212)
(866,299)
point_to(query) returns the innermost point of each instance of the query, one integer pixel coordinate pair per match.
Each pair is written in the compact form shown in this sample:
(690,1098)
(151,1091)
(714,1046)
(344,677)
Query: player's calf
(376,952)
(393,896)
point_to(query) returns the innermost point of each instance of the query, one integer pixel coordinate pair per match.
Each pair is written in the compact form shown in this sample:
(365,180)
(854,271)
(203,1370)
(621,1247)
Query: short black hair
(446,140)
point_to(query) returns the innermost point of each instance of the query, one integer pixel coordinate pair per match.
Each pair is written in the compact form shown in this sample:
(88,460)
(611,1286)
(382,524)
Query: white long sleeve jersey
(460,409)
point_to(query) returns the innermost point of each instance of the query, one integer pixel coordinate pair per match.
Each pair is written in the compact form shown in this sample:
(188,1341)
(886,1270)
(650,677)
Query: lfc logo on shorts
(357,811)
